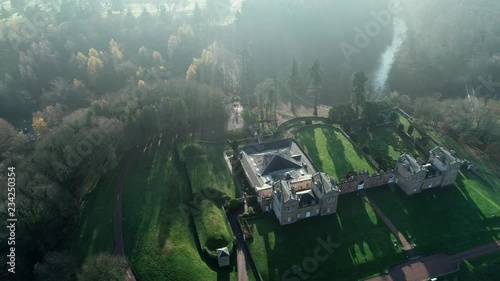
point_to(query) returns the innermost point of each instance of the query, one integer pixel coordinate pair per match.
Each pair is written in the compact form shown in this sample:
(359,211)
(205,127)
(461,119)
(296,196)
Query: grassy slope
(158,237)
(212,184)
(94,231)
(449,219)
(366,246)
(331,152)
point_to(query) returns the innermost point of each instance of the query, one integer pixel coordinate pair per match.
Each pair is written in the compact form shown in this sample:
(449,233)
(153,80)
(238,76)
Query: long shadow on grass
(365,247)
(307,139)
(164,186)
(444,219)
(336,150)
(223,274)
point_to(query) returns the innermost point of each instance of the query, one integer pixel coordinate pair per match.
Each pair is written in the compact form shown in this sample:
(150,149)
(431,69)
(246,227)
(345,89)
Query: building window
(289,219)
(298,215)
(329,200)
(307,185)
(329,210)
(317,211)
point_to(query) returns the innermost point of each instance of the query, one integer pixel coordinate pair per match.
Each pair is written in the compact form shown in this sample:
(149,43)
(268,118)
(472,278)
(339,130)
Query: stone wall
(369,182)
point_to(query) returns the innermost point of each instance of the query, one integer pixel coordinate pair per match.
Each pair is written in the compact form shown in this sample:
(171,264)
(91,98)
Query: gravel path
(407,246)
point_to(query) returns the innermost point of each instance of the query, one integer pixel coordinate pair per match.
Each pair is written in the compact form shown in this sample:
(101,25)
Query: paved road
(435,265)
(242,249)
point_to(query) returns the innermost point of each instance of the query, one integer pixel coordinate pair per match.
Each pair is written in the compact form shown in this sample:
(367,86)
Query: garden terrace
(331,151)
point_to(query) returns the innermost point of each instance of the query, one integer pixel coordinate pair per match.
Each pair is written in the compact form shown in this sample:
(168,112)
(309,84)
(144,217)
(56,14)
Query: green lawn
(331,152)
(407,124)
(484,269)
(386,145)
(93,233)
(448,219)
(212,185)
(365,244)
(158,234)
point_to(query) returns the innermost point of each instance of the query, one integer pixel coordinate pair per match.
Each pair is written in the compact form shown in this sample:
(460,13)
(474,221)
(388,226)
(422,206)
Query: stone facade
(286,181)
(291,204)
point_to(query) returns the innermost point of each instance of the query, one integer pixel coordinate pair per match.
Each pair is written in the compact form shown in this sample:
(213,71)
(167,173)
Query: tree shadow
(294,244)
(443,219)
(336,151)
(307,138)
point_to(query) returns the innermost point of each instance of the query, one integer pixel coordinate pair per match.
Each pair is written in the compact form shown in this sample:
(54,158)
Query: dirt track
(118,248)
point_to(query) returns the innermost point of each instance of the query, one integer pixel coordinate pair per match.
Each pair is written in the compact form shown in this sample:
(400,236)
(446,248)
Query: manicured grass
(331,152)
(158,235)
(212,185)
(447,219)
(208,169)
(385,145)
(484,269)
(364,244)
(407,124)
(93,233)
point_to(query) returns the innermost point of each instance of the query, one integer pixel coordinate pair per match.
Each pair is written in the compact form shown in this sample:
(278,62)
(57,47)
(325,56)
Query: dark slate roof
(267,162)
(278,162)
(222,252)
(324,183)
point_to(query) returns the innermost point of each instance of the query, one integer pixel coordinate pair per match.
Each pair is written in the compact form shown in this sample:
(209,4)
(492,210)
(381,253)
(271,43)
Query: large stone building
(281,173)
(286,181)
(414,177)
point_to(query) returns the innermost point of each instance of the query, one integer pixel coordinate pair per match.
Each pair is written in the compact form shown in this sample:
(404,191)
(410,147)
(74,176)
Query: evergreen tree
(293,85)
(358,90)
(315,83)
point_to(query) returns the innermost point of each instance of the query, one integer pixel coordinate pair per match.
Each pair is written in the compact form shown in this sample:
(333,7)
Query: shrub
(401,127)
(424,140)
(380,119)
(353,136)
(410,130)
(366,149)
(234,204)
(393,116)
(347,127)
(364,126)
(308,122)
(193,149)
(234,145)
